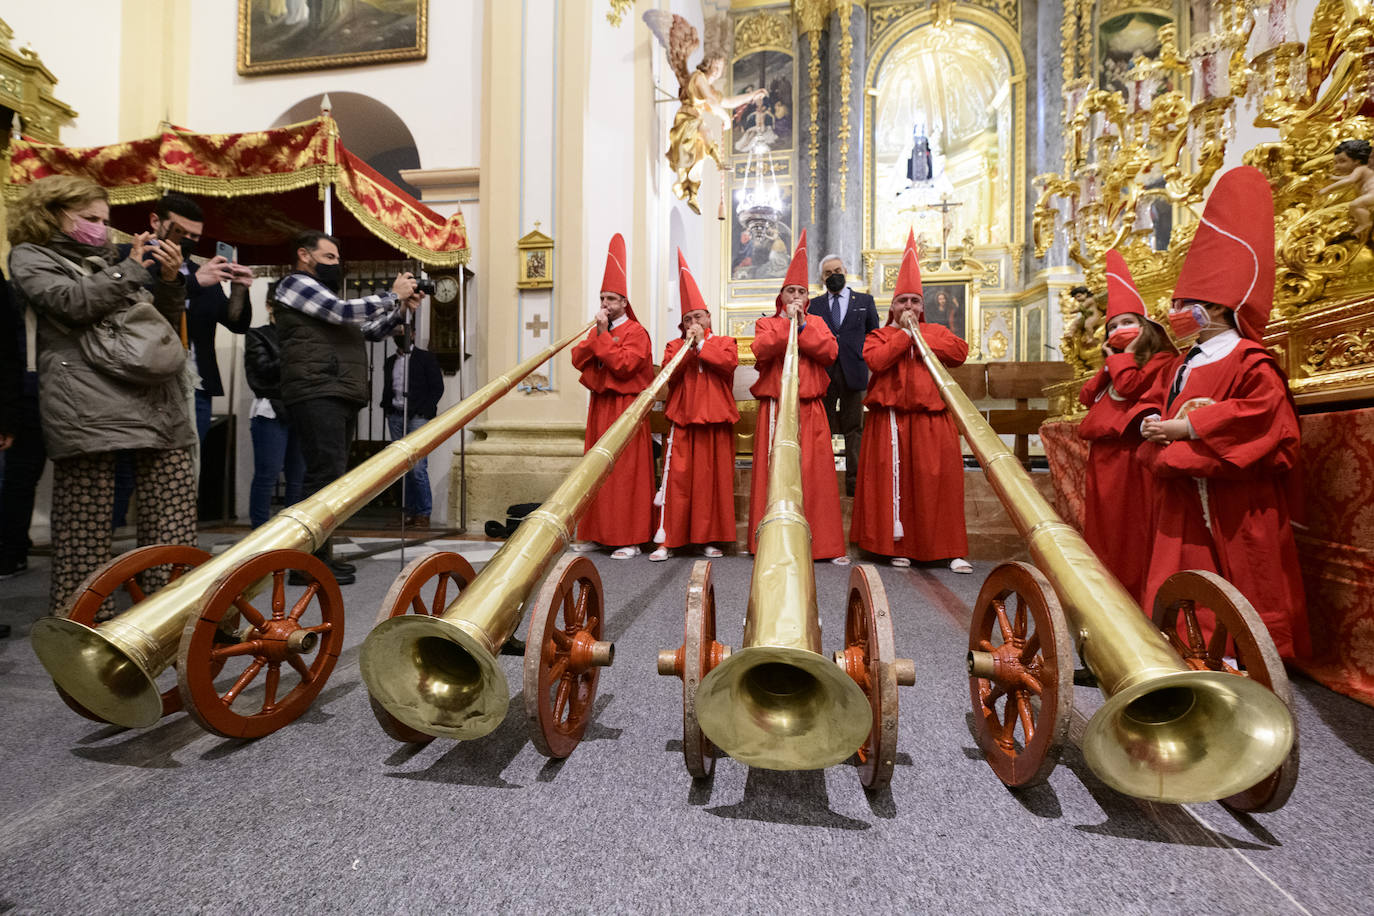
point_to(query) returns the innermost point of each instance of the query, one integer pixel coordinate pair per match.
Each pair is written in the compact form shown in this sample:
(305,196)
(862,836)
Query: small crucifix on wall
(946,224)
(537,324)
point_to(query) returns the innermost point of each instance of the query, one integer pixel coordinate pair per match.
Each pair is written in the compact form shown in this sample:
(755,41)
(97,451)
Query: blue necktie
(1178,379)
(836,316)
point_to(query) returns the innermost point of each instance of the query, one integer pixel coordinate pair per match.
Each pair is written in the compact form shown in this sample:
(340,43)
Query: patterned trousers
(82,503)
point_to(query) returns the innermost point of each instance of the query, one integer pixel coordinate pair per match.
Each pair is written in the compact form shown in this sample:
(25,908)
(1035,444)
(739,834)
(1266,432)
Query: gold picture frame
(285,36)
(536,261)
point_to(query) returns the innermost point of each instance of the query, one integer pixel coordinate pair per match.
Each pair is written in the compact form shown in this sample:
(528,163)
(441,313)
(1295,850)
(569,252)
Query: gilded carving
(1349,350)
(844,10)
(813,144)
(616,14)
(760,31)
(882,16)
(992,277)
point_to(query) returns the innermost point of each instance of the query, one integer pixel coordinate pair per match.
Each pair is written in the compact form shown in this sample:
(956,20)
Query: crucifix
(536,324)
(944,206)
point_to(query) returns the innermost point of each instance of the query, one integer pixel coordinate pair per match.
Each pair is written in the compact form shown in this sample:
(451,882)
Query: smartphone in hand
(226,251)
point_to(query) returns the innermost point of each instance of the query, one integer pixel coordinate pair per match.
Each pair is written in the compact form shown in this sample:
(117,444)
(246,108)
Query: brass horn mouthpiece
(435,676)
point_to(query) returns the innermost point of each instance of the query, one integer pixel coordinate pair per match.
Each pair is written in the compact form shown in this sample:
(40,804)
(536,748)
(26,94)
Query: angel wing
(679,40)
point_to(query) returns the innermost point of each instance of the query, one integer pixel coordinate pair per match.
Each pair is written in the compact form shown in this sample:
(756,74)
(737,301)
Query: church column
(847,60)
(810,128)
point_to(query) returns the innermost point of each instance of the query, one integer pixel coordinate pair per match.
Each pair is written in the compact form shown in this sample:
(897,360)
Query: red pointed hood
(1231,260)
(797,272)
(688,291)
(615,279)
(909,275)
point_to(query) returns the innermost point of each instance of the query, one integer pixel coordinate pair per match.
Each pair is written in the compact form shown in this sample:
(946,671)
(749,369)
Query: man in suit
(850,316)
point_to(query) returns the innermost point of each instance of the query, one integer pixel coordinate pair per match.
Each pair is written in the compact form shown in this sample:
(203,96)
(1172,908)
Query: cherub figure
(688,142)
(1351,163)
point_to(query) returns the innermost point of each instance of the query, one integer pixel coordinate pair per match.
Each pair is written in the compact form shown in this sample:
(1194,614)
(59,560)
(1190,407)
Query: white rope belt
(897,531)
(661,497)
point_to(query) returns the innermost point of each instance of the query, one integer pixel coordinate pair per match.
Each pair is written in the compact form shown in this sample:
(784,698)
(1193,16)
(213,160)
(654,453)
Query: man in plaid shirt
(324,380)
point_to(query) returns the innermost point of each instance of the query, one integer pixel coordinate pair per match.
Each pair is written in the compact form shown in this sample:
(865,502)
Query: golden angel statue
(688,142)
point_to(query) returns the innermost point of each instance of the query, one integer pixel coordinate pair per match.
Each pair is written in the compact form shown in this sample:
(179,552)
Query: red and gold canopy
(258,190)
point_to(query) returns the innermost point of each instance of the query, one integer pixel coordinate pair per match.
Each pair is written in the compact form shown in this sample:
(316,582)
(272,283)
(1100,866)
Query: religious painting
(765,125)
(946,304)
(278,36)
(763,249)
(535,250)
(1120,39)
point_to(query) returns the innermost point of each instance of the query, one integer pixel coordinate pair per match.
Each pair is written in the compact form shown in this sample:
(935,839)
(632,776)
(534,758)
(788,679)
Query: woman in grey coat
(64,268)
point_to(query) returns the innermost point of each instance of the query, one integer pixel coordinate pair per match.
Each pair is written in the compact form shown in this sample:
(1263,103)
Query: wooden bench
(1020,382)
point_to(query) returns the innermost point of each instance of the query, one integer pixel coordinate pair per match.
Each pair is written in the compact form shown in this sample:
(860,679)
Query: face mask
(88,233)
(188,248)
(1122,337)
(835,282)
(331,275)
(1188,322)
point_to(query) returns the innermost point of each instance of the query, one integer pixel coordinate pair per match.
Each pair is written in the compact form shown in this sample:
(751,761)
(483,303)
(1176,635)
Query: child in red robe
(1138,352)
(817,348)
(909,503)
(616,360)
(1223,442)
(698,490)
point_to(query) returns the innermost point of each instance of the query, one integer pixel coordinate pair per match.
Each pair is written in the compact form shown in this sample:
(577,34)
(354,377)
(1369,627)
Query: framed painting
(947,304)
(280,36)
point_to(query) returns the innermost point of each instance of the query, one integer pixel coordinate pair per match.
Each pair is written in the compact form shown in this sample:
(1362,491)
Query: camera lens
(425,286)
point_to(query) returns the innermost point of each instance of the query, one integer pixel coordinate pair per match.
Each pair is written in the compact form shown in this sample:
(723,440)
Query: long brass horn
(439,675)
(778,703)
(112,671)
(1166,733)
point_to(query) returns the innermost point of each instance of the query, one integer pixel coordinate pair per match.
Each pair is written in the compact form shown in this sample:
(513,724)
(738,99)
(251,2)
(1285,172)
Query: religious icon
(277,36)
(918,167)
(688,141)
(944,303)
(762,251)
(766,123)
(1124,37)
(536,260)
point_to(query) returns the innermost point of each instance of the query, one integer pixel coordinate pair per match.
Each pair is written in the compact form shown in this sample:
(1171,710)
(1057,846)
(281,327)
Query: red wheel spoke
(1023,708)
(562,640)
(558,668)
(560,702)
(269,700)
(1019,627)
(1216,648)
(244,680)
(178,570)
(135,591)
(993,695)
(319,628)
(591,624)
(1008,724)
(304,601)
(247,610)
(1002,623)
(250,647)
(1030,649)
(295,661)
(279,594)
(440,595)
(579,612)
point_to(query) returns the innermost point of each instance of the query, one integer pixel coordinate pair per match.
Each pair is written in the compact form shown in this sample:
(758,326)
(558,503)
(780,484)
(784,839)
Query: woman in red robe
(1223,439)
(817,348)
(1118,484)
(616,360)
(909,504)
(698,489)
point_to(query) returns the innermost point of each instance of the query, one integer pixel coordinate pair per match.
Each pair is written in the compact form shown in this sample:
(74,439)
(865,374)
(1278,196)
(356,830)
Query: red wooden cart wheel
(1020,681)
(563,661)
(692,661)
(449,574)
(305,635)
(1175,613)
(869,657)
(123,574)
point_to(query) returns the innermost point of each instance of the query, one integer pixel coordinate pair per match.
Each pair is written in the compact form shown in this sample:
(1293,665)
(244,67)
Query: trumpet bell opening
(783,709)
(435,677)
(97,673)
(1192,736)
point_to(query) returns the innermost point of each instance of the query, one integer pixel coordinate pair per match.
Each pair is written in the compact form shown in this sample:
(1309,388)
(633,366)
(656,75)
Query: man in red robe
(698,490)
(817,348)
(1223,437)
(616,361)
(909,504)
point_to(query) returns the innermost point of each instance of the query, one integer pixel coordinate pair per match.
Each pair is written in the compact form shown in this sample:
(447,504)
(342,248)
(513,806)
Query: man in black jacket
(21,440)
(412,387)
(850,315)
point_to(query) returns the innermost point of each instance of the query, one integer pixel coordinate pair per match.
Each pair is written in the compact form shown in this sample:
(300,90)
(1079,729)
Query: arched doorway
(369,129)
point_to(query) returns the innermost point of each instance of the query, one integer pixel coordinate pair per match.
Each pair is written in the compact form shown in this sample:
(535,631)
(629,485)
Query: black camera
(425,286)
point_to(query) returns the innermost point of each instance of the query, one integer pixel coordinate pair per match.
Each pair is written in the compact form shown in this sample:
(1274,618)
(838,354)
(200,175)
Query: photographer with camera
(324,358)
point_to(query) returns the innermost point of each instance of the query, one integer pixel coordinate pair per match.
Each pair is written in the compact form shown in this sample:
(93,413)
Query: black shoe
(11,568)
(1082,677)
(4,630)
(513,646)
(342,567)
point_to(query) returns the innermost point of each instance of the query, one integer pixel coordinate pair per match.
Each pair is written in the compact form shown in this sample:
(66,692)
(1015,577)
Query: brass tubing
(394,664)
(1167,733)
(778,703)
(135,647)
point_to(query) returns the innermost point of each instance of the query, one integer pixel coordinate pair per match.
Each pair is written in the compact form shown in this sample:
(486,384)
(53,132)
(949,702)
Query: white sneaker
(960,565)
(660,554)
(841,560)
(712,552)
(901,562)
(625,553)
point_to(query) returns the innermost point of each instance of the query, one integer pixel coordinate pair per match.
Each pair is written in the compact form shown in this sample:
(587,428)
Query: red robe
(699,464)
(1245,459)
(930,466)
(616,366)
(1118,484)
(821,500)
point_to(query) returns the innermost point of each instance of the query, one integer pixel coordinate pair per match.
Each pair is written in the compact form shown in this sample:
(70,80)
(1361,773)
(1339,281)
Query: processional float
(778,703)
(109,671)
(1181,722)
(430,667)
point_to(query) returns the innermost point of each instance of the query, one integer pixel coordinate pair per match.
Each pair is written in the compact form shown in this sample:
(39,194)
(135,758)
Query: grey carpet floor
(330,815)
